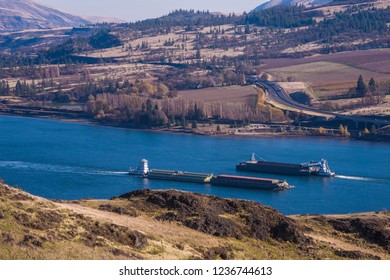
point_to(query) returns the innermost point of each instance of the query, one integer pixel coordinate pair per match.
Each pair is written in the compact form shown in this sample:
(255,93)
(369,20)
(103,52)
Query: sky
(133,10)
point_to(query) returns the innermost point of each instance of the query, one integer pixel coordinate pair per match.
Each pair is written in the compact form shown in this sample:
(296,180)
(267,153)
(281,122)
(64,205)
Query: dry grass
(36,228)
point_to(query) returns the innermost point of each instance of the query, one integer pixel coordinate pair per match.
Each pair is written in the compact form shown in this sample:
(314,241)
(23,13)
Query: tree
(184,122)
(344,130)
(361,88)
(146,87)
(194,125)
(372,86)
(322,130)
(373,129)
(346,133)
(341,129)
(198,54)
(18,88)
(247,29)
(161,90)
(148,105)
(218,128)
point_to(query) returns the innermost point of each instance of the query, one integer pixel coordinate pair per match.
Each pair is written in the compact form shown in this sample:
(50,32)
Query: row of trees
(5,89)
(142,111)
(22,88)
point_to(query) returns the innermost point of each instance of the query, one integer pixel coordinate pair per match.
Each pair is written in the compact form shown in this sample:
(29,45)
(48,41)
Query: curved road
(280,95)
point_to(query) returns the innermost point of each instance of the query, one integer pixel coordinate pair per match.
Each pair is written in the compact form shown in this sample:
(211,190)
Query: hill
(25,14)
(154,60)
(306,3)
(171,224)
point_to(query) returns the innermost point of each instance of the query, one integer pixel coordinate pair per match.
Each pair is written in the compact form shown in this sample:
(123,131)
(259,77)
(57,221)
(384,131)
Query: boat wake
(366,179)
(30,166)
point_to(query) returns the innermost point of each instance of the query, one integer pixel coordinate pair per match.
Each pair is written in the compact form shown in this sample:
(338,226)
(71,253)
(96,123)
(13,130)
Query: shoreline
(79,119)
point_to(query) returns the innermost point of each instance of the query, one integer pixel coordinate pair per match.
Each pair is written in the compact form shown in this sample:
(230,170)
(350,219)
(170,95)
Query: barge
(203,178)
(249,182)
(172,175)
(181,176)
(312,168)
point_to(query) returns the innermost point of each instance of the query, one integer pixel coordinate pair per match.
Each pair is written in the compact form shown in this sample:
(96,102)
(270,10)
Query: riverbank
(179,225)
(204,129)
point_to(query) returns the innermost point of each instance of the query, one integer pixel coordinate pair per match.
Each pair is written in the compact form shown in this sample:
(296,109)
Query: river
(60,160)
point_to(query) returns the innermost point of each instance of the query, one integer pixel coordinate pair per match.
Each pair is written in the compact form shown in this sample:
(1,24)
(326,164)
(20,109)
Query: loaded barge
(202,178)
(314,168)
(249,182)
(180,176)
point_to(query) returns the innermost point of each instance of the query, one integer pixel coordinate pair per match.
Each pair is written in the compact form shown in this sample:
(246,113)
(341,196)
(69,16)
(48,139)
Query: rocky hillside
(25,14)
(178,225)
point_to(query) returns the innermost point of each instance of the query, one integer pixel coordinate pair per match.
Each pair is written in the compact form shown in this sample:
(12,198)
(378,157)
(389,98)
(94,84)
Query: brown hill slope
(177,225)
(25,14)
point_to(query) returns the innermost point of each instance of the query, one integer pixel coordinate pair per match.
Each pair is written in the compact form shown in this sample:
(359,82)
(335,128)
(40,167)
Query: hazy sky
(132,10)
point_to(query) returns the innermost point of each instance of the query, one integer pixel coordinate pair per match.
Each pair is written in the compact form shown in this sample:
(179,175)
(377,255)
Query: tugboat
(314,168)
(142,170)
(320,168)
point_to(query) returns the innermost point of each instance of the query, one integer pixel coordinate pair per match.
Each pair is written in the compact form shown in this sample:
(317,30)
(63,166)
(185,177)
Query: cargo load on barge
(181,176)
(249,182)
(203,178)
(312,168)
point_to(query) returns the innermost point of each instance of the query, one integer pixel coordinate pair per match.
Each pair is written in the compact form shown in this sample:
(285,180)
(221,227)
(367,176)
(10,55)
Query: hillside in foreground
(178,225)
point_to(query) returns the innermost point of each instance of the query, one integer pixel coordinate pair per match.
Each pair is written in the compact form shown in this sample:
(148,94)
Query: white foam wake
(357,178)
(51,168)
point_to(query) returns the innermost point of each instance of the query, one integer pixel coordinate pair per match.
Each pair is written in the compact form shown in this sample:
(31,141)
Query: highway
(279,95)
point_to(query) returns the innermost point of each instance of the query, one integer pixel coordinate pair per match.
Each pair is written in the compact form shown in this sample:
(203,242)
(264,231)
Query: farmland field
(332,74)
(353,58)
(232,94)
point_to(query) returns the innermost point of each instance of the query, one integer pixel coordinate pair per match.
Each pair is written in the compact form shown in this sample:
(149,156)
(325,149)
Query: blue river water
(59,160)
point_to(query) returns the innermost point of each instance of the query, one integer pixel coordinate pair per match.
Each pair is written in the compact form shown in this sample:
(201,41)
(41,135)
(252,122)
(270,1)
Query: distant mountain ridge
(26,14)
(97,19)
(307,3)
